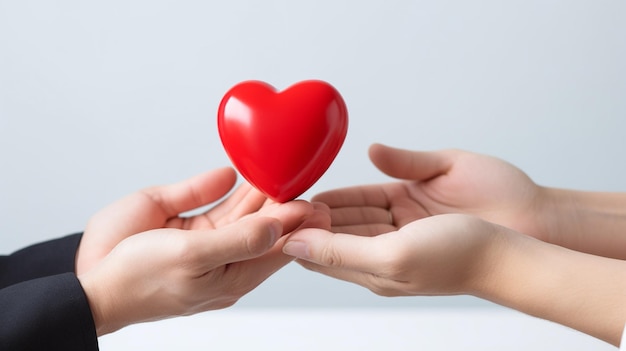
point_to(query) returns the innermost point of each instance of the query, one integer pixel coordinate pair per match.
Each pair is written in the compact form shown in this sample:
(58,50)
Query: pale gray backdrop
(98,99)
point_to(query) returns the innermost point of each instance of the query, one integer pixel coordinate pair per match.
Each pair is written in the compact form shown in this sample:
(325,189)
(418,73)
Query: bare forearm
(582,291)
(591,222)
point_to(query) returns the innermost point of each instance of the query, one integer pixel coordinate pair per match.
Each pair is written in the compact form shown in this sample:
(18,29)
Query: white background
(99,99)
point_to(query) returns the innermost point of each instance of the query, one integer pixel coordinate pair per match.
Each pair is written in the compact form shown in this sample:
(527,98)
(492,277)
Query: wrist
(584,292)
(488,275)
(509,265)
(554,213)
(98,302)
(585,221)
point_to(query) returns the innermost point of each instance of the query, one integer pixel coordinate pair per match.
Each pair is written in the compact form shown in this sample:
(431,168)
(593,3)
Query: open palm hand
(438,182)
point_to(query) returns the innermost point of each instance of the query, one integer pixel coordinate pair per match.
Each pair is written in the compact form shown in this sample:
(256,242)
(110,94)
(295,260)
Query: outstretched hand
(161,207)
(437,182)
(167,272)
(456,224)
(439,255)
(141,259)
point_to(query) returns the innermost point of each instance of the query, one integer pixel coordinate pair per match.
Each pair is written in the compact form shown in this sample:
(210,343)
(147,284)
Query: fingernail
(296,249)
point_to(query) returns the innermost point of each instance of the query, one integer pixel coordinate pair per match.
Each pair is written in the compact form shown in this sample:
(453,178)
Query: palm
(482,186)
(442,182)
(245,200)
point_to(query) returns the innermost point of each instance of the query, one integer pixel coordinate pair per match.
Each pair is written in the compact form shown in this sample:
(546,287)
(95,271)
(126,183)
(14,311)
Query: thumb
(411,165)
(242,240)
(334,250)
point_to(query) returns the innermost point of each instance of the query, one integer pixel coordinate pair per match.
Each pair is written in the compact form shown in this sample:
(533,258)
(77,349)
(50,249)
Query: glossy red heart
(282,142)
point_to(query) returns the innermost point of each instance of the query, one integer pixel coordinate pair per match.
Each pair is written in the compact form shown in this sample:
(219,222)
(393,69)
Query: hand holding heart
(140,260)
(404,238)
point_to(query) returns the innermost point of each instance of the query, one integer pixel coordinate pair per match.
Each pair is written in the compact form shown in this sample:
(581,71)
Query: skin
(142,259)
(456,228)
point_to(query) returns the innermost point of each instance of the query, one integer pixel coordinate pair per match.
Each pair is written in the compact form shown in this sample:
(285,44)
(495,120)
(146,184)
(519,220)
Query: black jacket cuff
(50,313)
(40,260)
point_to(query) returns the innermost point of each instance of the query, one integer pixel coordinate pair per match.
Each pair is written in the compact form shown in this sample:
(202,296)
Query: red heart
(282,142)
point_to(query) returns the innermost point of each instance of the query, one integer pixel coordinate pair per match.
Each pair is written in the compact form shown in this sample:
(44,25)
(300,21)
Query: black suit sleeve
(42,304)
(39,260)
(49,313)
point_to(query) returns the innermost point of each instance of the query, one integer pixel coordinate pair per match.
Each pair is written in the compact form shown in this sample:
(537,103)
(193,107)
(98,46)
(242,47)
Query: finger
(248,238)
(192,193)
(244,200)
(258,269)
(364,221)
(378,284)
(364,229)
(378,195)
(355,259)
(250,273)
(239,241)
(320,218)
(352,276)
(344,216)
(335,250)
(292,214)
(412,165)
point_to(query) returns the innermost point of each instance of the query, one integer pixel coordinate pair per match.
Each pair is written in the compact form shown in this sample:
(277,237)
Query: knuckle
(187,255)
(185,250)
(330,257)
(395,266)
